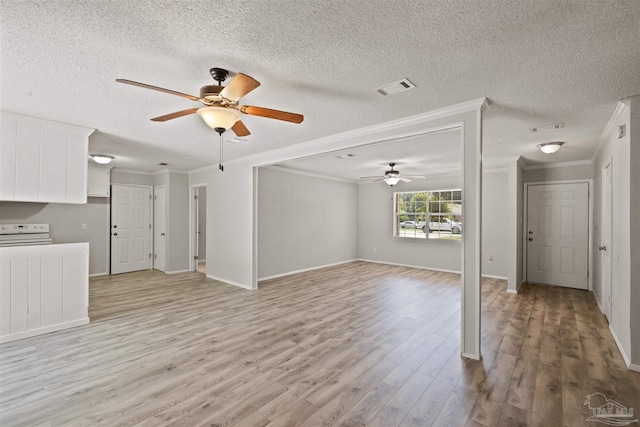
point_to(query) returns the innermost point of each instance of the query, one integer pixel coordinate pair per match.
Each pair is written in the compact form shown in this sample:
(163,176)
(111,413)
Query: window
(428,214)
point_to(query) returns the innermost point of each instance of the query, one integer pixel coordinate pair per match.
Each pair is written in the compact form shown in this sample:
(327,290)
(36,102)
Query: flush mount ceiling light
(219,117)
(103,159)
(550,147)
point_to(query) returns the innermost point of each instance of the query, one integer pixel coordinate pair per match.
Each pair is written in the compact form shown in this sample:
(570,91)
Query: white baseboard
(177,271)
(44,330)
(275,276)
(634,367)
(99,274)
(598,302)
(493,276)
(627,361)
(471,356)
(512,291)
(229,282)
(409,265)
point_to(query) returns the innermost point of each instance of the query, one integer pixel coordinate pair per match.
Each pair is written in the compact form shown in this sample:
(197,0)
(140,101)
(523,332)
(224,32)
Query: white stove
(24,235)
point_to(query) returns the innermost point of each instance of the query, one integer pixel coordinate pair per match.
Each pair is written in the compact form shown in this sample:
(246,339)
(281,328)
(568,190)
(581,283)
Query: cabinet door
(77,168)
(8,139)
(53,165)
(98,182)
(28,161)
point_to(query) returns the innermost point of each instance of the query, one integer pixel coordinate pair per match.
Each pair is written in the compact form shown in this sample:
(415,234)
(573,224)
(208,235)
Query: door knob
(530,232)
(602,248)
(162,234)
(530,239)
(115,234)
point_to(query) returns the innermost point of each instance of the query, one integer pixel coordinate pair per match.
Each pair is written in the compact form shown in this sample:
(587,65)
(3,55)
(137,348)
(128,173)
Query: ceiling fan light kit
(550,147)
(392,177)
(219,117)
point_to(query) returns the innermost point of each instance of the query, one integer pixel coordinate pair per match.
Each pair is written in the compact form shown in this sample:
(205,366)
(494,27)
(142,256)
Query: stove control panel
(24,228)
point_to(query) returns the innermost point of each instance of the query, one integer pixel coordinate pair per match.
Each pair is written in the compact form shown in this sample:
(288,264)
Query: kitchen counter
(43,289)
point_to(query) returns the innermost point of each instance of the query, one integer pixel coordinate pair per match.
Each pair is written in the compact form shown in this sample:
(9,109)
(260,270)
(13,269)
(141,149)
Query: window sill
(417,239)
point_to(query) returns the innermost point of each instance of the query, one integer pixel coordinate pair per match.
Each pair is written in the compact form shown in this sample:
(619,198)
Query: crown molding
(363,136)
(609,129)
(559,165)
(308,173)
(131,171)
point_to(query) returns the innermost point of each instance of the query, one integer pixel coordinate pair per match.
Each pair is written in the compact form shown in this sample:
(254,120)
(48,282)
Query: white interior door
(159,226)
(605,248)
(558,234)
(130,228)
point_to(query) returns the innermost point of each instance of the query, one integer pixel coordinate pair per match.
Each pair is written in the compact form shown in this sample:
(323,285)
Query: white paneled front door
(130,228)
(558,234)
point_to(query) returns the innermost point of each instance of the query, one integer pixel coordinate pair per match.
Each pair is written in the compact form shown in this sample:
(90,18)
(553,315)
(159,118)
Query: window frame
(426,215)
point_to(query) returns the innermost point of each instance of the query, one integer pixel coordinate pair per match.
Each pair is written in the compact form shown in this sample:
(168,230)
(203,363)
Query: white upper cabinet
(42,161)
(98,181)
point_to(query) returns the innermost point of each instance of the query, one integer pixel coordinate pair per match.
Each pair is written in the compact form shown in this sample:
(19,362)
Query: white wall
(495,224)
(304,222)
(515,219)
(375,228)
(618,151)
(559,171)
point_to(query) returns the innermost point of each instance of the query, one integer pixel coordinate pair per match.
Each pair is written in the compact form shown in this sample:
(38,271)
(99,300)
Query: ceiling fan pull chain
(221,166)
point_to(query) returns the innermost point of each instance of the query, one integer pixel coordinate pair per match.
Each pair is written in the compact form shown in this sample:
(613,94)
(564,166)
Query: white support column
(471,238)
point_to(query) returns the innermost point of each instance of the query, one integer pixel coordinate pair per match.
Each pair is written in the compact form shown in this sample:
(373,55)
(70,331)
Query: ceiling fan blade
(239,87)
(371,177)
(271,114)
(404,179)
(174,115)
(240,129)
(415,176)
(160,89)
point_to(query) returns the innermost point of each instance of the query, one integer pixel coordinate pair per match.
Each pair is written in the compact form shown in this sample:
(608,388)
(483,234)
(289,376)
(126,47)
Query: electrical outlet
(375,249)
(84,226)
(490,260)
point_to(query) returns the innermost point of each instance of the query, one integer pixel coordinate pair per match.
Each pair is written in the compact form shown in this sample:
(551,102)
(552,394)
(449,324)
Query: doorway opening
(198,228)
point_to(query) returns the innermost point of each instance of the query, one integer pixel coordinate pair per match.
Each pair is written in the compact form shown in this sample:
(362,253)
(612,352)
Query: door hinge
(149,226)
(149,256)
(155,197)
(195,196)
(149,196)
(195,257)
(155,256)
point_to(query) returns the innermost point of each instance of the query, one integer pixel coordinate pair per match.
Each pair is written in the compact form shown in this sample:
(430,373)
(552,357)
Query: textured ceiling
(537,61)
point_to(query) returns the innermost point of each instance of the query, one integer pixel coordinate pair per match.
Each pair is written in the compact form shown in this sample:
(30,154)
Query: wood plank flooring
(352,345)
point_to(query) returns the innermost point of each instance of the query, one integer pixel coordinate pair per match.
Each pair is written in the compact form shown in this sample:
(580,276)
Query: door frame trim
(606,308)
(192,225)
(153,227)
(150,187)
(525,227)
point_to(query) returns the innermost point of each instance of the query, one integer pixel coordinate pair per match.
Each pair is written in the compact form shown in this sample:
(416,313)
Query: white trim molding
(307,173)
(177,271)
(104,273)
(610,128)
(559,165)
(229,282)
(304,270)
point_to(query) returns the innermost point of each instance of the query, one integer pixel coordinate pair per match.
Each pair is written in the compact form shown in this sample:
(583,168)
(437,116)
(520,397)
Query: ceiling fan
(221,110)
(392,177)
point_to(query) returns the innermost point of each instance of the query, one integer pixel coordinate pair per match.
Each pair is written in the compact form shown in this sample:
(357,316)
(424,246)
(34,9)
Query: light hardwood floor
(352,345)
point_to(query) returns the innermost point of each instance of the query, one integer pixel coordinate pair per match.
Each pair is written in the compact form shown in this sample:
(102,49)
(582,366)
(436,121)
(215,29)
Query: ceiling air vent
(395,87)
(547,128)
